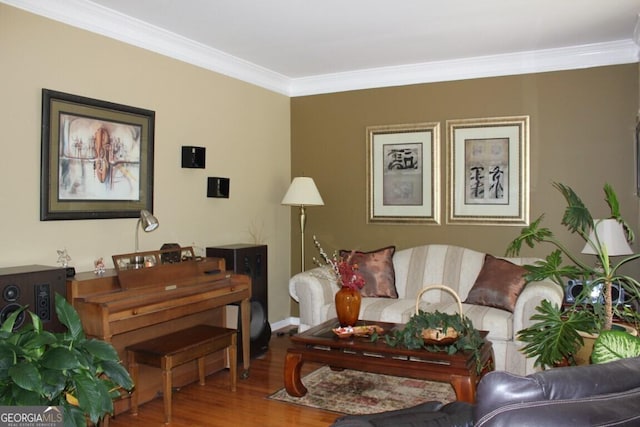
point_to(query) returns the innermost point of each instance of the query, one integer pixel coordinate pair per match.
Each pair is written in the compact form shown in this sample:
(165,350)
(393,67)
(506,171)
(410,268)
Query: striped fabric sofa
(415,268)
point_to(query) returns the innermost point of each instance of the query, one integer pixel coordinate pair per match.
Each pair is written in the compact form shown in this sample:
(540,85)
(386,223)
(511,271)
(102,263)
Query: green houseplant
(556,335)
(614,345)
(41,368)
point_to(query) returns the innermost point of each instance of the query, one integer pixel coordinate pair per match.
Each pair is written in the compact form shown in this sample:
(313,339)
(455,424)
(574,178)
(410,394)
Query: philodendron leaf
(613,345)
(26,376)
(576,215)
(60,358)
(100,350)
(69,317)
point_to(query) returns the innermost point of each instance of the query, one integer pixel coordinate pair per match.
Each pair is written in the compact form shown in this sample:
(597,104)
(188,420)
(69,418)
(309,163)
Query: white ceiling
(302,47)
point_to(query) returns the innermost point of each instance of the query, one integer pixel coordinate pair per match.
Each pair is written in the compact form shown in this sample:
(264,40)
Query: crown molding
(98,19)
(568,58)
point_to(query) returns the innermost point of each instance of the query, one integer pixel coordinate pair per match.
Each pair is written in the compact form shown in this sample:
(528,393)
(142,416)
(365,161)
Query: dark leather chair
(591,395)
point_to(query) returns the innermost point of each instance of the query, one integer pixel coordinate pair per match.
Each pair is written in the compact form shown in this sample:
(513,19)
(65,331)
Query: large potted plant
(41,368)
(558,333)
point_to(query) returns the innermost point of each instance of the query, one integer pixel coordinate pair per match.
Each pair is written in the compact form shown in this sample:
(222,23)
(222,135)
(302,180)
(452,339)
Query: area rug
(355,392)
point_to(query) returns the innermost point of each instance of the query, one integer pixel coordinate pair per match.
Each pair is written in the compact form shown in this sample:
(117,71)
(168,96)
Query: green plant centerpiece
(436,331)
(412,335)
(42,368)
(556,336)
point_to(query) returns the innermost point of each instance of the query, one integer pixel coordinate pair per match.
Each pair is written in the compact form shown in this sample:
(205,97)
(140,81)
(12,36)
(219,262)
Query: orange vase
(348,306)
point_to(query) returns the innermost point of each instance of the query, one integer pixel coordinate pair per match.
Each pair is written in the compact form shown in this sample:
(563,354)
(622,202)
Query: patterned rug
(355,392)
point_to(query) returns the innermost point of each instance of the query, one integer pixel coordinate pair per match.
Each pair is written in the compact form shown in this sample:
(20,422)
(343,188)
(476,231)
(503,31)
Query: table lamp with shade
(302,192)
(605,240)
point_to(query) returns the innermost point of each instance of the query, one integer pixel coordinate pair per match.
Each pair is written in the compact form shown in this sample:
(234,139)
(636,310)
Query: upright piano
(154,293)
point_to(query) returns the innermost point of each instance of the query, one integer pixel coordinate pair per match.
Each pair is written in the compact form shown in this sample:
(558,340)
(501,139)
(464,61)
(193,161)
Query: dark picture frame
(97,158)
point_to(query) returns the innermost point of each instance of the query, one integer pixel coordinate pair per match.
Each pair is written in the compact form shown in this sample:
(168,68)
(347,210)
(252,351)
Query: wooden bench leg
(201,370)
(232,350)
(133,370)
(166,381)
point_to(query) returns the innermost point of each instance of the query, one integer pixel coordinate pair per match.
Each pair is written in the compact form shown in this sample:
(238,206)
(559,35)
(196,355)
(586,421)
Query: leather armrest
(498,388)
(615,409)
(430,414)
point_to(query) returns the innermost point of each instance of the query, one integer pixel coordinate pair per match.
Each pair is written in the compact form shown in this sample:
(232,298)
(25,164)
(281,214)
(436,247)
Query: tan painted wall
(582,134)
(246,130)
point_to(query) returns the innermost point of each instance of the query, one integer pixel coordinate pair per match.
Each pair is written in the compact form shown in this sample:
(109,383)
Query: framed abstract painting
(97,158)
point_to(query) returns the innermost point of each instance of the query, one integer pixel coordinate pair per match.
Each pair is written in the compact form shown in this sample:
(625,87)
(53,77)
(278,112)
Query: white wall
(246,130)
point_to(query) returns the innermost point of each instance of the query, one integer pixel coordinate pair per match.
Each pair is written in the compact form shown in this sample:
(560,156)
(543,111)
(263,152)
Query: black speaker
(586,293)
(218,187)
(34,286)
(193,157)
(252,261)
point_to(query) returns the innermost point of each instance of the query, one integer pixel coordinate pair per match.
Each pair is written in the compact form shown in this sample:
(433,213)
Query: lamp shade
(302,192)
(611,235)
(148,222)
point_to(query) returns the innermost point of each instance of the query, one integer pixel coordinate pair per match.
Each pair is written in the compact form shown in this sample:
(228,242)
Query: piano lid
(156,268)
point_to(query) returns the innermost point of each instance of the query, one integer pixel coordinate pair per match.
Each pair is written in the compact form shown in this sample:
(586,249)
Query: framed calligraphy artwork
(488,171)
(97,158)
(403,174)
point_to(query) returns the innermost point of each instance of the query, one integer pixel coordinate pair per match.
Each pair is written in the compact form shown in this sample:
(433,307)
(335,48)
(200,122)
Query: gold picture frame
(403,174)
(488,171)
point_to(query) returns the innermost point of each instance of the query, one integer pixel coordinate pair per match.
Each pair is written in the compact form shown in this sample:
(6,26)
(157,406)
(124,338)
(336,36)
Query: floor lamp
(302,192)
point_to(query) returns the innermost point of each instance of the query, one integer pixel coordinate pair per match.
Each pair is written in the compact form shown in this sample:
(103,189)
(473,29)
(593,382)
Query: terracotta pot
(348,306)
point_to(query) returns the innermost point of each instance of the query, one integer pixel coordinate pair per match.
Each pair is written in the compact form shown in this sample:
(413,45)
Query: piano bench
(168,351)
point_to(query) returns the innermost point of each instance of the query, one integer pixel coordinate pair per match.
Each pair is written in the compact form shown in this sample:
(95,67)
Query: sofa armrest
(530,297)
(312,289)
(615,409)
(429,414)
(604,394)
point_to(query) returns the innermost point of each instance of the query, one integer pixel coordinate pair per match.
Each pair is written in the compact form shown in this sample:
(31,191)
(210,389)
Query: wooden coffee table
(320,344)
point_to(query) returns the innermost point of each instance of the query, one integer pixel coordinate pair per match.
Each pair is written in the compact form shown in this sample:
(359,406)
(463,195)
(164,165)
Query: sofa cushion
(498,322)
(498,285)
(377,269)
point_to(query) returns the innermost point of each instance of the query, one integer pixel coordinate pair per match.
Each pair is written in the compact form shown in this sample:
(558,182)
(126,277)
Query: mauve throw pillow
(377,269)
(498,285)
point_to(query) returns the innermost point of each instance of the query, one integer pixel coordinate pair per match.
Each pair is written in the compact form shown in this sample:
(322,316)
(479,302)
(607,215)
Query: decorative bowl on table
(357,331)
(436,336)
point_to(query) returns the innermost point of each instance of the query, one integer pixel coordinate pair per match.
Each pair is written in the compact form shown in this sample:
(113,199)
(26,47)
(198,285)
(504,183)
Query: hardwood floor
(214,405)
